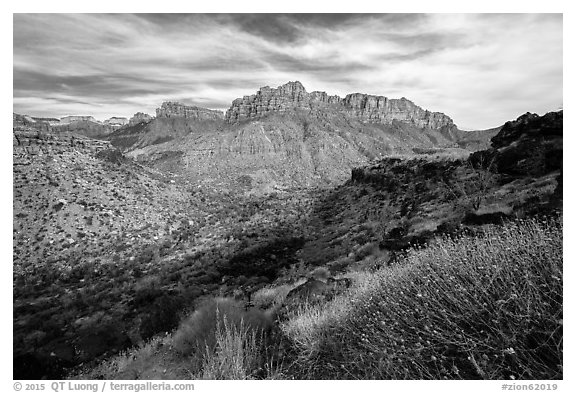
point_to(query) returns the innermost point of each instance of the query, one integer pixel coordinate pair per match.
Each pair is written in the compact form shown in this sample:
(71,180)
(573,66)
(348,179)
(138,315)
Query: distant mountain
(81,125)
(367,108)
(173,120)
(476,140)
(286,137)
(276,138)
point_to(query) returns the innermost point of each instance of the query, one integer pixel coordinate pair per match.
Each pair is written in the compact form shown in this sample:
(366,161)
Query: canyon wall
(365,107)
(176,109)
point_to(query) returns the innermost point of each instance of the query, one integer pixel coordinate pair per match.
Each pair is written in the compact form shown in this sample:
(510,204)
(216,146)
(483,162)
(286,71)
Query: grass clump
(199,330)
(223,340)
(237,352)
(484,307)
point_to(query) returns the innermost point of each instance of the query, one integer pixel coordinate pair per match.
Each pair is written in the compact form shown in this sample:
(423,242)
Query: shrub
(463,308)
(197,334)
(270,297)
(320,273)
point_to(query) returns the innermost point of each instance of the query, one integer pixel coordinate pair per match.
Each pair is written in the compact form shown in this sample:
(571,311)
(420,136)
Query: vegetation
(200,332)
(111,257)
(463,308)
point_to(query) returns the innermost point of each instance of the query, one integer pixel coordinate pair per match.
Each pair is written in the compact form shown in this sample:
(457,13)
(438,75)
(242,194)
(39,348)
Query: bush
(198,333)
(463,308)
(266,298)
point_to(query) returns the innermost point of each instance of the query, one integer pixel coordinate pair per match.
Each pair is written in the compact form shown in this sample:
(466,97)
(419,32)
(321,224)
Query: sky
(480,69)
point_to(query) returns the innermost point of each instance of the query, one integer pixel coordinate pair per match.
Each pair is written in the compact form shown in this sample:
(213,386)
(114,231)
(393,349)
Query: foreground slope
(455,269)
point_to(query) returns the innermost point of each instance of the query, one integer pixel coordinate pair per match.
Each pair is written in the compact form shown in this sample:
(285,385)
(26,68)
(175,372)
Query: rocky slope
(107,252)
(530,145)
(368,223)
(30,142)
(173,121)
(287,137)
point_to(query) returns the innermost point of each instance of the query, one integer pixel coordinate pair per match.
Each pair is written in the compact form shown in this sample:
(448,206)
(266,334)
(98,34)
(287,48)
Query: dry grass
(484,307)
(237,352)
(199,331)
(474,307)
(266,298)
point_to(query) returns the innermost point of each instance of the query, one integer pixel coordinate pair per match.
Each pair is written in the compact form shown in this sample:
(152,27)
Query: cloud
(480,69)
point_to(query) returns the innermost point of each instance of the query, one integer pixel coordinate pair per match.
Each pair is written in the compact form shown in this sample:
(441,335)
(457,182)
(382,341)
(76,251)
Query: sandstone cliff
(139,117)
(365,107)
(176,109)
(74,119)
(116,121)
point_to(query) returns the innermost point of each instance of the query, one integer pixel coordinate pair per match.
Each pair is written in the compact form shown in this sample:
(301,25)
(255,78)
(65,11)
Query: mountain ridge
(282,137)
(367,107)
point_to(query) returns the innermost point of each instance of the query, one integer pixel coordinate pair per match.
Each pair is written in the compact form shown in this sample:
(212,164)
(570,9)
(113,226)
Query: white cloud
(479,69)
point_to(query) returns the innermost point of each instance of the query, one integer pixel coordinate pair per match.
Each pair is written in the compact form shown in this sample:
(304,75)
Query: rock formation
(116,121)
(176,109)
(140,117)
(74,119)
(50,120)
(530,145)
(29,142)
(379,109)
(365,107)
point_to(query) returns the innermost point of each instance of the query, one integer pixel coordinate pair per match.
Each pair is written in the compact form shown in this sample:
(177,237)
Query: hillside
(287,137)
(104,248)
(368,232)
(123,228)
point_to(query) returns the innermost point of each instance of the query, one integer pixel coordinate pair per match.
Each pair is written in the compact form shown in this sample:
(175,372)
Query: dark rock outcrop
(530,145)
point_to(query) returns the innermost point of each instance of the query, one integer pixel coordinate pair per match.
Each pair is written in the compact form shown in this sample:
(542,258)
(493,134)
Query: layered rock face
(74,119)
(116,121)
(292,95)
(28,142)
(379,109)
(25,121)
(176,109)
(365,107)
(50,120)
(173,120)
(139,117)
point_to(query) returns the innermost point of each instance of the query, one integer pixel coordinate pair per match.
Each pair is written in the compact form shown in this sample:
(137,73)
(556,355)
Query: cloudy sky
(480,69)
